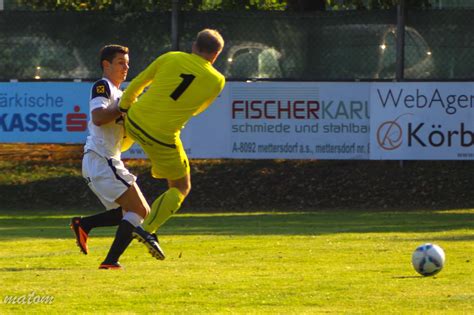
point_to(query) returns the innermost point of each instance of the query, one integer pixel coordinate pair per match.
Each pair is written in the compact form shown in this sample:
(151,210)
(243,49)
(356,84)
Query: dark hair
(108,52)
(209,41)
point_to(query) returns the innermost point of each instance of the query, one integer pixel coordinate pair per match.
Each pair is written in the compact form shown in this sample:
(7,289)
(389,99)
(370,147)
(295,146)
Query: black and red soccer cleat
(110,266)
(81,234)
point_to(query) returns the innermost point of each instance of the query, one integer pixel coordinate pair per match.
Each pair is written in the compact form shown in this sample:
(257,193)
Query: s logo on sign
(76,121)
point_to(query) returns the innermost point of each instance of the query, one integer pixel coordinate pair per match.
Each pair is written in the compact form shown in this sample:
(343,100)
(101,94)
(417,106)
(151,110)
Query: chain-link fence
(65,45)
(330,45)
(448,39)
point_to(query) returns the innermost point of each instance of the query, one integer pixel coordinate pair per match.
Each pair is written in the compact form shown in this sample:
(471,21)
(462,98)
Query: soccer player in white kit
(103,169)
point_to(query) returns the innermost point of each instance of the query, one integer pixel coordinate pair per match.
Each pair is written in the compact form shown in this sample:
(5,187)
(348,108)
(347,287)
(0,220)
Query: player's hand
(117,104)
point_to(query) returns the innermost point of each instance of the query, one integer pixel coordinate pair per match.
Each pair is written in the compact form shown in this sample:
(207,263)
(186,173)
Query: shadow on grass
(448,238)
(52,225)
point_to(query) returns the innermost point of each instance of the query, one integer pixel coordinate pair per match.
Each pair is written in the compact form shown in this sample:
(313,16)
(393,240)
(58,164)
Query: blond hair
(209,41)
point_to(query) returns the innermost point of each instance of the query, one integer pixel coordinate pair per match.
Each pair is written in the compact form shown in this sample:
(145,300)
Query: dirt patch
(40,152)
(246,185)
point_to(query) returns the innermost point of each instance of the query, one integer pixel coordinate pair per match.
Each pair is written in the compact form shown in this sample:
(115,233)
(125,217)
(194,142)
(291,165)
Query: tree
(205,5)
(66,5)
(306,5)
(150,5)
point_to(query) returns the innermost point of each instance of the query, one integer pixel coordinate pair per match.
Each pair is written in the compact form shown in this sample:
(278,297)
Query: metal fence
(319,46)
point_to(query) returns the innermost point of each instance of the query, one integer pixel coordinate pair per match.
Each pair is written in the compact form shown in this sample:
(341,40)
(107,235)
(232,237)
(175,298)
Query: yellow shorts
(167,160)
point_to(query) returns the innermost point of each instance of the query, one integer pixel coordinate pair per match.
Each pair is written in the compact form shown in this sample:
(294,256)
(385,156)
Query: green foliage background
(205,5)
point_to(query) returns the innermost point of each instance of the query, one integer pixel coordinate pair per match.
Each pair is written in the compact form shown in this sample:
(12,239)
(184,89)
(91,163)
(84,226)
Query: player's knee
(145,210)
(142,210)
(185,189)
(182,184)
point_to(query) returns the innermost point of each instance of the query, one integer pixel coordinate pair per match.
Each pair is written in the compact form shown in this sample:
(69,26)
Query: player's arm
(104,115)
(102,112)
(136,87)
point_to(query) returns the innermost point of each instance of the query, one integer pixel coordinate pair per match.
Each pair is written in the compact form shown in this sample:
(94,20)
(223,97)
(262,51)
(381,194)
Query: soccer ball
(428,259)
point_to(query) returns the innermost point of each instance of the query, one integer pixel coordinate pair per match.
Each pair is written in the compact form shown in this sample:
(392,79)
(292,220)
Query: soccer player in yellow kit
(180,85)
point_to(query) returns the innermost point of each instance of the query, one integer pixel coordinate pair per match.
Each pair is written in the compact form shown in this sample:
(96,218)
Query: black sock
(106,218)
(123,237)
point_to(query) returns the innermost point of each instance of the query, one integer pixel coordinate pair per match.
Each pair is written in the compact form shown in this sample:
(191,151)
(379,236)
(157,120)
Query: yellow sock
(162,209)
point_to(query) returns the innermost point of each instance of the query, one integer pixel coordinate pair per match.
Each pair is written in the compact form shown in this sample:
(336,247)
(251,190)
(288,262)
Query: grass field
(276,263)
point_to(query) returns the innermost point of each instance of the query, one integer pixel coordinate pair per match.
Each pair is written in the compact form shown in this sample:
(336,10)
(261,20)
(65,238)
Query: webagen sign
(422,121)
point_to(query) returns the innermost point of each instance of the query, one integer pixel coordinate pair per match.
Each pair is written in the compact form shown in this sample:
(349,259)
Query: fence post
(399,76)
(400,40)
(174,25)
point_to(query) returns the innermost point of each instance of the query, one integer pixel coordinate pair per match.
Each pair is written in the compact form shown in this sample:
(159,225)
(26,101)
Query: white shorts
(107,178)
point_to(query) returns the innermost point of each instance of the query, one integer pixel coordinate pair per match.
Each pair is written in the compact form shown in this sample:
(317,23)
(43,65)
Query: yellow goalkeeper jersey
(180,85)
